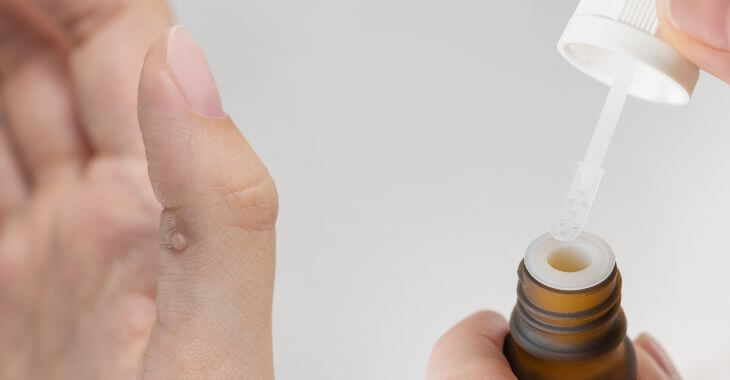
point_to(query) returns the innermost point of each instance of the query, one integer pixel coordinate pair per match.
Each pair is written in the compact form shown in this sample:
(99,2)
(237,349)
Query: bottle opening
(569,259)
(574,265)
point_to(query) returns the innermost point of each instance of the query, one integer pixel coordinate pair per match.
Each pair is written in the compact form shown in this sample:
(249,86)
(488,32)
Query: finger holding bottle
(472,349)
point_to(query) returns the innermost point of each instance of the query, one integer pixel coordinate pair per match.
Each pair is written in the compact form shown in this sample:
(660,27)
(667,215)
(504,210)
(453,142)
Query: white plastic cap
(602,31)
(575,265)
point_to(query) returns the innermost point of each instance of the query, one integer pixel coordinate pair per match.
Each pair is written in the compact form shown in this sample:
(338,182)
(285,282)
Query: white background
(420,145)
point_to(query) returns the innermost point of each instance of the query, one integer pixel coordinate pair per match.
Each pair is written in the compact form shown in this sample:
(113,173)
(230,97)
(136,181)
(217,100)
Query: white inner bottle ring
(573,265)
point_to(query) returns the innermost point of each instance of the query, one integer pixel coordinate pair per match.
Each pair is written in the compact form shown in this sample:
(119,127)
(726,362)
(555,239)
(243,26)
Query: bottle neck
(568,325)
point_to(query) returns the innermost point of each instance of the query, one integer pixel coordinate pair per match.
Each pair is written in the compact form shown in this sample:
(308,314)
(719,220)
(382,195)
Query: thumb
(699,29)
(472,350)
(216,273)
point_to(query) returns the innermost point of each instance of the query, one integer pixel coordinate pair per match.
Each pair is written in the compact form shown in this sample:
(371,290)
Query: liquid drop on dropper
(587,179)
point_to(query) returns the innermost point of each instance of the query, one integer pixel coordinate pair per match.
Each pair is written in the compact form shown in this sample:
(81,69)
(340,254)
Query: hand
(700,30)
(86,292)
(473,350)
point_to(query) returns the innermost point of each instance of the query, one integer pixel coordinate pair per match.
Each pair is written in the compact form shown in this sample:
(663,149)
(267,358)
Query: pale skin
(137,226)
(86,291)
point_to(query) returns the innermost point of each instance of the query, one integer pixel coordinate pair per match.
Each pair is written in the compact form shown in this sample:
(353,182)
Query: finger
(646,344)
(36,94)
(648,368)
(472,350)
(109,39)
(12,188)
(699,30)
(217,230)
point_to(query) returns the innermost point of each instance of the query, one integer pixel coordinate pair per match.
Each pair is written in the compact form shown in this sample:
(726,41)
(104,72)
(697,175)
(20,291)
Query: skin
(100,277)
(103,277)
(714,60)
(473,350)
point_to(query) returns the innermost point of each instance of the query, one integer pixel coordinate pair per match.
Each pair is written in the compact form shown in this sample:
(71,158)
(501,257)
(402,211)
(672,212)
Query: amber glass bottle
(568,323)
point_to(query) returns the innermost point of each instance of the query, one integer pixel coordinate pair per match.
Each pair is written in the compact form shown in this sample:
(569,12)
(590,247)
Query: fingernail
(704,20)
(190,70)
(656,351)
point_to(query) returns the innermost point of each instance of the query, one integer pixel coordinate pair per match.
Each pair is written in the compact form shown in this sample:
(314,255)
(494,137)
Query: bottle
(602,33)
(568,323)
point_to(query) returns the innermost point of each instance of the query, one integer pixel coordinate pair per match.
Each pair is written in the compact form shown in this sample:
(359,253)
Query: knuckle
(254,206)
(80,19)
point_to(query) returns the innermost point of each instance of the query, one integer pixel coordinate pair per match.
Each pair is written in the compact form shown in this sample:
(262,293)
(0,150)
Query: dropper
(617,42)
(587,179)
